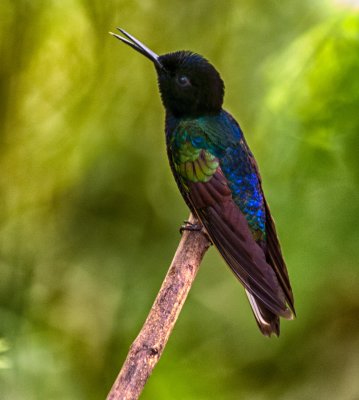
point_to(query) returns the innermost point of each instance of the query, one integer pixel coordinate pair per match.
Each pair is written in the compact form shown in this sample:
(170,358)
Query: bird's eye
(183,80)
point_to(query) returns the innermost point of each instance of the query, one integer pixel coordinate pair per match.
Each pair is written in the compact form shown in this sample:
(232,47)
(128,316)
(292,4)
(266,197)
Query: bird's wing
(271,245)
(206,188)
(273,251)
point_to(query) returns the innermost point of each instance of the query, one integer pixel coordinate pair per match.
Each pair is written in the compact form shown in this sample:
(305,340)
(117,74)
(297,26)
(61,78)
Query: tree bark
(148,347)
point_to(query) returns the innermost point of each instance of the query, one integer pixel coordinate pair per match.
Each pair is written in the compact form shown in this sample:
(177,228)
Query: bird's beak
(138,46)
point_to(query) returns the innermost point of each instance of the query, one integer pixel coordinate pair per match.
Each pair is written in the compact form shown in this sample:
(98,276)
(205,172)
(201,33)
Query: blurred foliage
(90,211)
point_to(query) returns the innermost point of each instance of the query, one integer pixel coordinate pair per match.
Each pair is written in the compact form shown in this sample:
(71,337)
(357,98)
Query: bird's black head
(190,86)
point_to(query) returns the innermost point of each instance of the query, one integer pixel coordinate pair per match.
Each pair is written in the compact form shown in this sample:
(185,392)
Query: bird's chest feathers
(191,159)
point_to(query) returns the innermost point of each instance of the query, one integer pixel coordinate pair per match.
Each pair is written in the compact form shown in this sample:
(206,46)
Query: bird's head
(190,86)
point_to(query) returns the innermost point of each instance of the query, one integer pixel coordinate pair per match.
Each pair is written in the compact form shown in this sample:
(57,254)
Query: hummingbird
(219,179)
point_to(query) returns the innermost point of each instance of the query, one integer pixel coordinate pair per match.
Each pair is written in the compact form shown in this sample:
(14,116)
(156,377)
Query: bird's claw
(190,226)
(195,227)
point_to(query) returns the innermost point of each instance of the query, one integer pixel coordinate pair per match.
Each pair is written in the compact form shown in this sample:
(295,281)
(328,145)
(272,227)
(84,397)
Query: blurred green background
(90,212)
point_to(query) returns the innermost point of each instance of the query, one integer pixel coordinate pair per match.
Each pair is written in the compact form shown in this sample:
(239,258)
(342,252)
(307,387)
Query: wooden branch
(147,349)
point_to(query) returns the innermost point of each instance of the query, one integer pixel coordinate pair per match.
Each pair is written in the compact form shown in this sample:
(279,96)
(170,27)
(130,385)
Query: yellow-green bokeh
(90,212)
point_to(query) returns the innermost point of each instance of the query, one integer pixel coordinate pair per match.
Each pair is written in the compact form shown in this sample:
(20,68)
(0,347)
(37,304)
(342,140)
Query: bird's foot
(190,226)
(196,227)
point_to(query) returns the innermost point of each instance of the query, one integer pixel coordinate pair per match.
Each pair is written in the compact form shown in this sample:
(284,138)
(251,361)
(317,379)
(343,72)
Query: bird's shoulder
(214,133)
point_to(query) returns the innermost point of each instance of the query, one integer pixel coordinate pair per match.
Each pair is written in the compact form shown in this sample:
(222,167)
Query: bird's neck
(172,120)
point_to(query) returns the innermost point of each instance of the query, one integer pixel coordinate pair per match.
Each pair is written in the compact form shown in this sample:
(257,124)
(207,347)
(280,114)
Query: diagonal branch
(148,347)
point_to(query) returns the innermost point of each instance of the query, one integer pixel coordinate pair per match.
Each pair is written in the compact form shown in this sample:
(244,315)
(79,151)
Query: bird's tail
(267,321)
